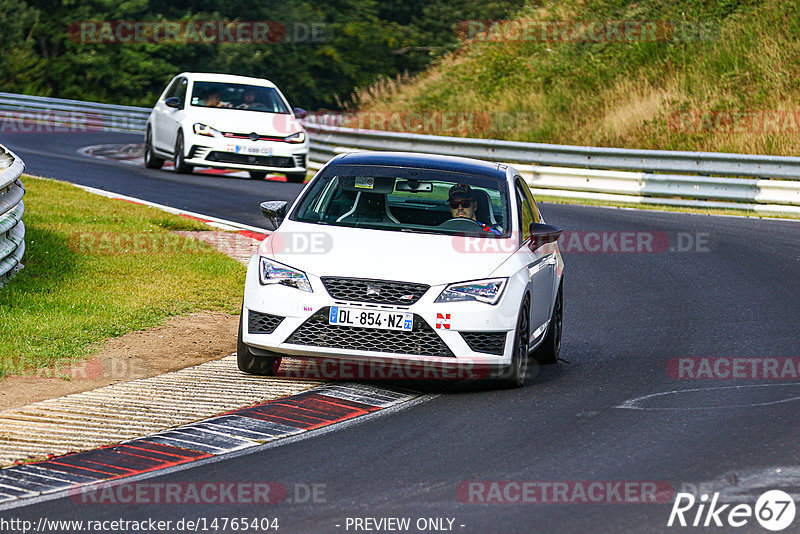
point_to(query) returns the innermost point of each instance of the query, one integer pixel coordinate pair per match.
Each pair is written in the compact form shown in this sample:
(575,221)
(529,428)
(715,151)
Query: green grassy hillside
(717,75)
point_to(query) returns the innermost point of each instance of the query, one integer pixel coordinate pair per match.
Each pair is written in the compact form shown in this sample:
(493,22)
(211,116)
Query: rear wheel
(151,161)
(550,349)
(514,375)
(296,177)
(180,160)
(258,175)
(252,364)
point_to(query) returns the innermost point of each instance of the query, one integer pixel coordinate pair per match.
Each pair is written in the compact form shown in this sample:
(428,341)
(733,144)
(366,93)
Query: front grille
(488,342)
(262,323)
(236,135)
(248,159)
(388,292)
(421,341)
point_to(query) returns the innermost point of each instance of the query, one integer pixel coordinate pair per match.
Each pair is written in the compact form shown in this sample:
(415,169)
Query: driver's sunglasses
(463,203)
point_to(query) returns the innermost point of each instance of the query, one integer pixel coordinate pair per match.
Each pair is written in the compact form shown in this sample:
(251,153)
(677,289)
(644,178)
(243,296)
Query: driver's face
(465,207)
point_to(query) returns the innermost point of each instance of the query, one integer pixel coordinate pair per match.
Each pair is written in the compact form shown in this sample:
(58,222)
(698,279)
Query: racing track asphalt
(626,316)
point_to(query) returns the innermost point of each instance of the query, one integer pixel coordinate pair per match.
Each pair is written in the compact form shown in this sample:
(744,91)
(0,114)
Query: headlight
(298,137)
(203,129)
(488,291)
(272,272)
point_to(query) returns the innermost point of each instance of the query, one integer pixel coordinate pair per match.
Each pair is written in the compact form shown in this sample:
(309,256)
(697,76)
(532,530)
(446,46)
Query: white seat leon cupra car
(407,262)
(226,121)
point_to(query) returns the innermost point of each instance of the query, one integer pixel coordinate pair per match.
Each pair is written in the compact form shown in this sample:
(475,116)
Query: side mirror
(173,102)
(274,211)
(300,113)
(542,234)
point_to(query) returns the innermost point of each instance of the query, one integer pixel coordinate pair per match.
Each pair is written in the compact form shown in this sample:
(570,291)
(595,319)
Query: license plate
(385,320)
(257,150)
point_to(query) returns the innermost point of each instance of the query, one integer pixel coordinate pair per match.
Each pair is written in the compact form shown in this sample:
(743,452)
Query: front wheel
(151,161)
(250,363)
(514,375)
(550,349)
(296,177)
(180,160)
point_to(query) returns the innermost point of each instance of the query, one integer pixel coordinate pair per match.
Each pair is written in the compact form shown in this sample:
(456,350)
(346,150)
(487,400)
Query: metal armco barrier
(25,113)
(741,181)
(582,171)
(12,230)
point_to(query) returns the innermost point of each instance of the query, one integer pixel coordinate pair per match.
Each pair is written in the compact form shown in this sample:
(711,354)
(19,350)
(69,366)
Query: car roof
(225,78)
(423,161)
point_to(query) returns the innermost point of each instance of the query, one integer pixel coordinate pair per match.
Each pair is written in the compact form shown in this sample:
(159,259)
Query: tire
(550,349)
(514,375)
(296,177)
(151,161)
(180,164)
(258,175)
(250,363)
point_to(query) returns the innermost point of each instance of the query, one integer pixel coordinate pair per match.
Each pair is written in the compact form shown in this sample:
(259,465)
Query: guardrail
(701,179)
(28,113)
(12,229)
(582,172)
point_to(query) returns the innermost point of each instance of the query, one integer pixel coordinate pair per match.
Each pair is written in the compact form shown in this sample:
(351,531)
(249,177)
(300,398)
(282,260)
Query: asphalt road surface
(617,412)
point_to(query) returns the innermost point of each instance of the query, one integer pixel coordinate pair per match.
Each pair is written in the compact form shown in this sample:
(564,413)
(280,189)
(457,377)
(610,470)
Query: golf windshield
(411,200)
(237,96)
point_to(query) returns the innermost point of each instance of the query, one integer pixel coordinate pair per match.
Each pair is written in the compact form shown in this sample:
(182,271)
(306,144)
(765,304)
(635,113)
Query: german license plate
(256,150)
(385,320)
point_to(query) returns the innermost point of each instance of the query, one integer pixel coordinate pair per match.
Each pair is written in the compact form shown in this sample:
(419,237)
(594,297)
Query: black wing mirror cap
(173,102)
(274,211)
(542,234)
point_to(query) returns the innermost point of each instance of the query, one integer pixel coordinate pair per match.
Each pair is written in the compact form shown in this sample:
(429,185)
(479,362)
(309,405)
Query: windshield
(237,96)
(404,199)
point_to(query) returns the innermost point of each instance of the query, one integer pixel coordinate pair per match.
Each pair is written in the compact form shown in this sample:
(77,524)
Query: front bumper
(220,152)
(292,322)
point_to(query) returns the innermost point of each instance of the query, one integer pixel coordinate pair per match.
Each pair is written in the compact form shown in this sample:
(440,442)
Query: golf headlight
(203,129)
(272,272)
(488,291)
(298,137)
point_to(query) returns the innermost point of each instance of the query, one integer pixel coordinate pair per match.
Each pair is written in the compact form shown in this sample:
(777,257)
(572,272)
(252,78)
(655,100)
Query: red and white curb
(237,430)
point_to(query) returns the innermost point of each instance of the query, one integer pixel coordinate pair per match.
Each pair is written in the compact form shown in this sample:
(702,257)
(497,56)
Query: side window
(181,92)
(173,87)
(531,202)
(524,211)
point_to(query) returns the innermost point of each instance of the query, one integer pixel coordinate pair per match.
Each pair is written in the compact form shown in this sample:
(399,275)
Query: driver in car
(462,202)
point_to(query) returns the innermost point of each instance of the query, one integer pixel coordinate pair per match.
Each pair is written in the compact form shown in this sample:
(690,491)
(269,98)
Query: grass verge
(98,268)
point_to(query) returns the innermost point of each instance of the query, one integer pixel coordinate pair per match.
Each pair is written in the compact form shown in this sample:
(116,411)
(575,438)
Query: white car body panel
(408,257)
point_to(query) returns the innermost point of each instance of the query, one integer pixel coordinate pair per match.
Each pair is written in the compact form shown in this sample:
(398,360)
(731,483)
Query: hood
(384,255)
(243,121)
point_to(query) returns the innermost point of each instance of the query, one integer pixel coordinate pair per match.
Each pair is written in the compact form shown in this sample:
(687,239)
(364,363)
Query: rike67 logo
(774,510)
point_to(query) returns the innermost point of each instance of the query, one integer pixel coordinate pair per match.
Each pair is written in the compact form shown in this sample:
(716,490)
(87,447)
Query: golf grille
(488,342)
(262,323)
(421,341)
(380,291)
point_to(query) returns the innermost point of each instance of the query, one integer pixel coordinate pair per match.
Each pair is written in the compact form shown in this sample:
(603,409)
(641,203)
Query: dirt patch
(181,342)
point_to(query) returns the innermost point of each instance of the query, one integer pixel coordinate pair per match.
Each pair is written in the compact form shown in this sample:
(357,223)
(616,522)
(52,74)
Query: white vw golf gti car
(225,121)
(409,260)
